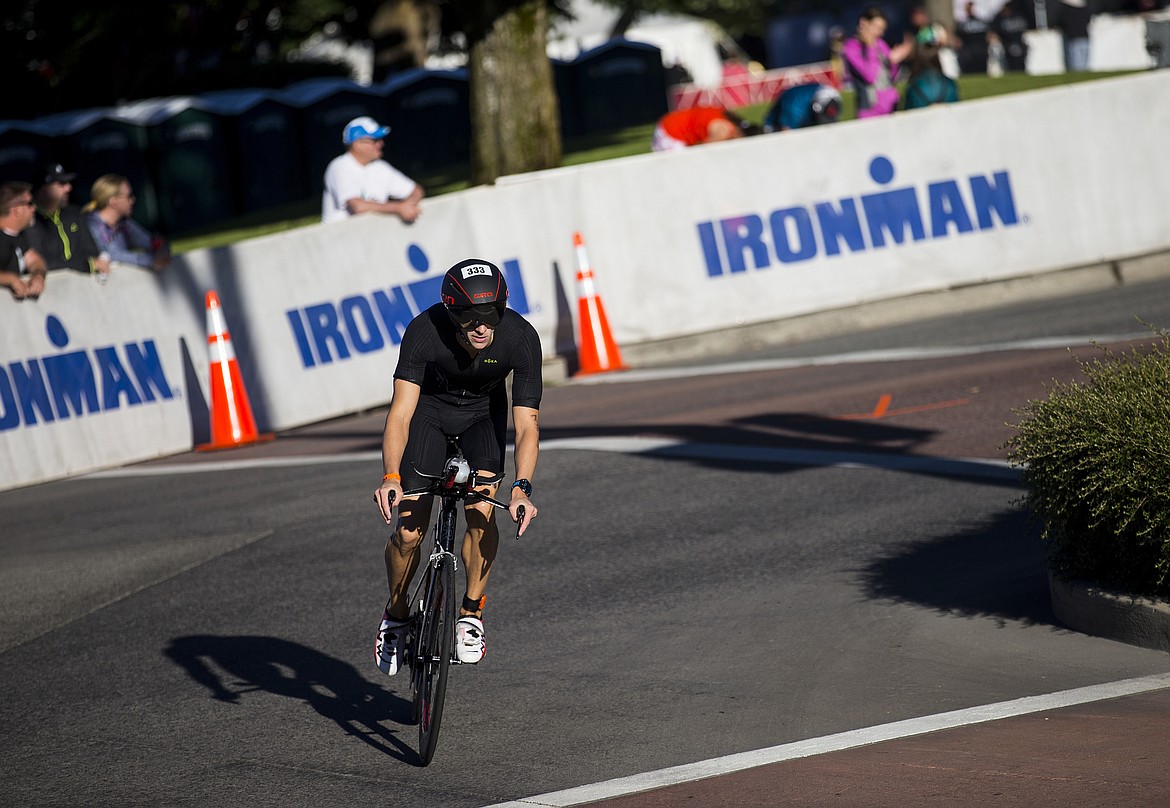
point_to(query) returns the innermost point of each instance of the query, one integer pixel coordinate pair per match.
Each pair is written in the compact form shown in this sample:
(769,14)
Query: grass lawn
(625,142)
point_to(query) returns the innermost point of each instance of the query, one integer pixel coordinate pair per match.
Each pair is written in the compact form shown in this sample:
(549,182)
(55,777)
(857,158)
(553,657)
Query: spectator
(360,181)
(60,233)
(808,104)
(22,269)
(972,40)
(928,84)
(1075,16)
(871,64)
(692,127)
(115,233)
(929,34)
(1009,27)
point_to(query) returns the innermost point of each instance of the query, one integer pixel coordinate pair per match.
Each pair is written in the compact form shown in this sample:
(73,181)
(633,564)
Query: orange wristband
(395,477)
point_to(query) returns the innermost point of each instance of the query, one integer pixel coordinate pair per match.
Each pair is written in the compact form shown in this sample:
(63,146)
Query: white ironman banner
(91,377)
(680,244)
(1084,163)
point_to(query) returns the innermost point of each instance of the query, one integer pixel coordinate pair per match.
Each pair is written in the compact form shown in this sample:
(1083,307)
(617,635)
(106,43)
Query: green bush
(1096,467)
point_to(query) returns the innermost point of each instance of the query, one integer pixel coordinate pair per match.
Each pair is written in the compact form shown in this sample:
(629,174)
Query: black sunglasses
(467,316)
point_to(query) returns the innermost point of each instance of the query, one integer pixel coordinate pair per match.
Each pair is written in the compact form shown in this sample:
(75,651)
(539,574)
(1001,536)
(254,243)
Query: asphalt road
(723,562)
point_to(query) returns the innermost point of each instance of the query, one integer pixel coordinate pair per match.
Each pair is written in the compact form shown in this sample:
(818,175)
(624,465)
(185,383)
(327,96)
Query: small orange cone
(231,415)
(596,350)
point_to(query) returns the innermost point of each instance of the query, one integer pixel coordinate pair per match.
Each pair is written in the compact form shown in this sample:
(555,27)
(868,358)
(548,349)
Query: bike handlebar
(469,495)
(444,485)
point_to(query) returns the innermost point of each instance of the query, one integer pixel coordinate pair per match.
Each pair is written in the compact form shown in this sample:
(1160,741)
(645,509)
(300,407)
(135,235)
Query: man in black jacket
(60,234)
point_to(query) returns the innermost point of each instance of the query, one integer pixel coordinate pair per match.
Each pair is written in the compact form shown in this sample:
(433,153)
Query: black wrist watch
(524,486)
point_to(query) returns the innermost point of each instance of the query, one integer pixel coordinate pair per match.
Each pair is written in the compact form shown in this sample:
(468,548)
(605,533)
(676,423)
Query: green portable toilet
(94,142)
(429,115)
(324,106)
(264,148)
(569,105)
(25,149)
(188,158)
(621,83)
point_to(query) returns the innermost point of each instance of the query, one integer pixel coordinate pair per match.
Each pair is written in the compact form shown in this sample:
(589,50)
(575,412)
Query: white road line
(977,468)
(654,447)
(835,743)
(885,355)
(229,465)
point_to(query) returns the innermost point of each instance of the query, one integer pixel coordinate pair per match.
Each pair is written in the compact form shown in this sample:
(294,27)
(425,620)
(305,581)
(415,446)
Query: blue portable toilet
(324,106)
(620,83)
(97,141)
(264,148)
(429,115)
(188,159)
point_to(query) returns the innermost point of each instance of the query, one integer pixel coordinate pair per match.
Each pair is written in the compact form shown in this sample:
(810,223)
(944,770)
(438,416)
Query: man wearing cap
(360,181)
(60,233)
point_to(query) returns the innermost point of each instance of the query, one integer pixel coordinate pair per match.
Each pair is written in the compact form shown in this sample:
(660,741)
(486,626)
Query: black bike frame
(431,649)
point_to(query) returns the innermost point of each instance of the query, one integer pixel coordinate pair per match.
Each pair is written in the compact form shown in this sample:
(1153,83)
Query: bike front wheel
(433,656)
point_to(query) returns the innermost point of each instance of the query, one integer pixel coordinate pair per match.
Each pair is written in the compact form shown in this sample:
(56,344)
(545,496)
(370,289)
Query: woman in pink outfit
(871,64)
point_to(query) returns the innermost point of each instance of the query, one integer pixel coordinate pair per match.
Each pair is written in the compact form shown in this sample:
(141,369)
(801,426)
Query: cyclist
(452,364)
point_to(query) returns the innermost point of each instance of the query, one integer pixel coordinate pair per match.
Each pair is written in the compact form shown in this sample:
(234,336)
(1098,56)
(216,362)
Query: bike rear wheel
(433,656)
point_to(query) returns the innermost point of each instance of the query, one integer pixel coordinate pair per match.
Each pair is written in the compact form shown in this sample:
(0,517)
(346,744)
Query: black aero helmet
(474,290)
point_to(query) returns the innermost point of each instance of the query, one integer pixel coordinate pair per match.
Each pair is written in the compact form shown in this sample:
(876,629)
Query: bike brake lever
(519,521)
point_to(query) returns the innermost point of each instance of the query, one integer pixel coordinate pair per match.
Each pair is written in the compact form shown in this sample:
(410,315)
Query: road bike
(430,641)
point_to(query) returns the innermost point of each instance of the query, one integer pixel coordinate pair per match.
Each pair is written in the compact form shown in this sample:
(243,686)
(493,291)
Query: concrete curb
(1090,609)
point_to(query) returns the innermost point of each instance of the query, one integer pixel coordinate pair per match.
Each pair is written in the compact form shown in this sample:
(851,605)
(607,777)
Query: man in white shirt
(360,180)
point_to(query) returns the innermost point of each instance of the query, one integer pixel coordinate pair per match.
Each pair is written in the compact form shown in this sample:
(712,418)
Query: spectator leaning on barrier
(807,104)
(60,233)
(22,269)
(697,125)
(360,181)
(126,241)
(872,64)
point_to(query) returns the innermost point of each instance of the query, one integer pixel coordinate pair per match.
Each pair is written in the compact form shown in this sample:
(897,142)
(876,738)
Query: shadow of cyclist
(232,666)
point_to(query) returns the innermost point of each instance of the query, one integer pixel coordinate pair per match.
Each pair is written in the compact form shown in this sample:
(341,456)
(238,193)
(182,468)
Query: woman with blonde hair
(108,216)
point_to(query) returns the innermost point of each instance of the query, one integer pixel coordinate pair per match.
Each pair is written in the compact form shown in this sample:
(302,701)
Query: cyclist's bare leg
(402,552)
(480,543)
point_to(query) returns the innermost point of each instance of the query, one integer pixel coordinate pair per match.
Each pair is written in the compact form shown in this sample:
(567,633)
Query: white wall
(680,243)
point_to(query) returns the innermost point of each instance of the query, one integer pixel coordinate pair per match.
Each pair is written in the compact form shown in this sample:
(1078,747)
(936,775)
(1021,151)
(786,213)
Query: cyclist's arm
(527,423)
(394,438)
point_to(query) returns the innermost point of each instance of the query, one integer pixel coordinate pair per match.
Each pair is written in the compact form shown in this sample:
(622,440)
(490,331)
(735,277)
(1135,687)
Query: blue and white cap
(363,127)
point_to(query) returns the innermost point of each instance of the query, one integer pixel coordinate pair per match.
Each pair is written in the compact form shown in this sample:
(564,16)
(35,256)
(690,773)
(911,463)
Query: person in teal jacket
(928,84)
(807,104)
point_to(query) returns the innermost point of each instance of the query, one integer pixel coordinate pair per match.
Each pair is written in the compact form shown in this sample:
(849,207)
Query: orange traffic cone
(231,415)
(596,350)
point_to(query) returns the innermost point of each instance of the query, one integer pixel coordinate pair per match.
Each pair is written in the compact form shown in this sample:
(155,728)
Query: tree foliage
(68,54)
(515,122)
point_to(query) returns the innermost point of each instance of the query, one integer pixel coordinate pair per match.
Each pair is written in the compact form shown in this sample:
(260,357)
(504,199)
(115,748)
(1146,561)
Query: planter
(1088,608)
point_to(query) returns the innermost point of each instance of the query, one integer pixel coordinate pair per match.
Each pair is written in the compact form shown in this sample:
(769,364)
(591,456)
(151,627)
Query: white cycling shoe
(470,644)
(388,644)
